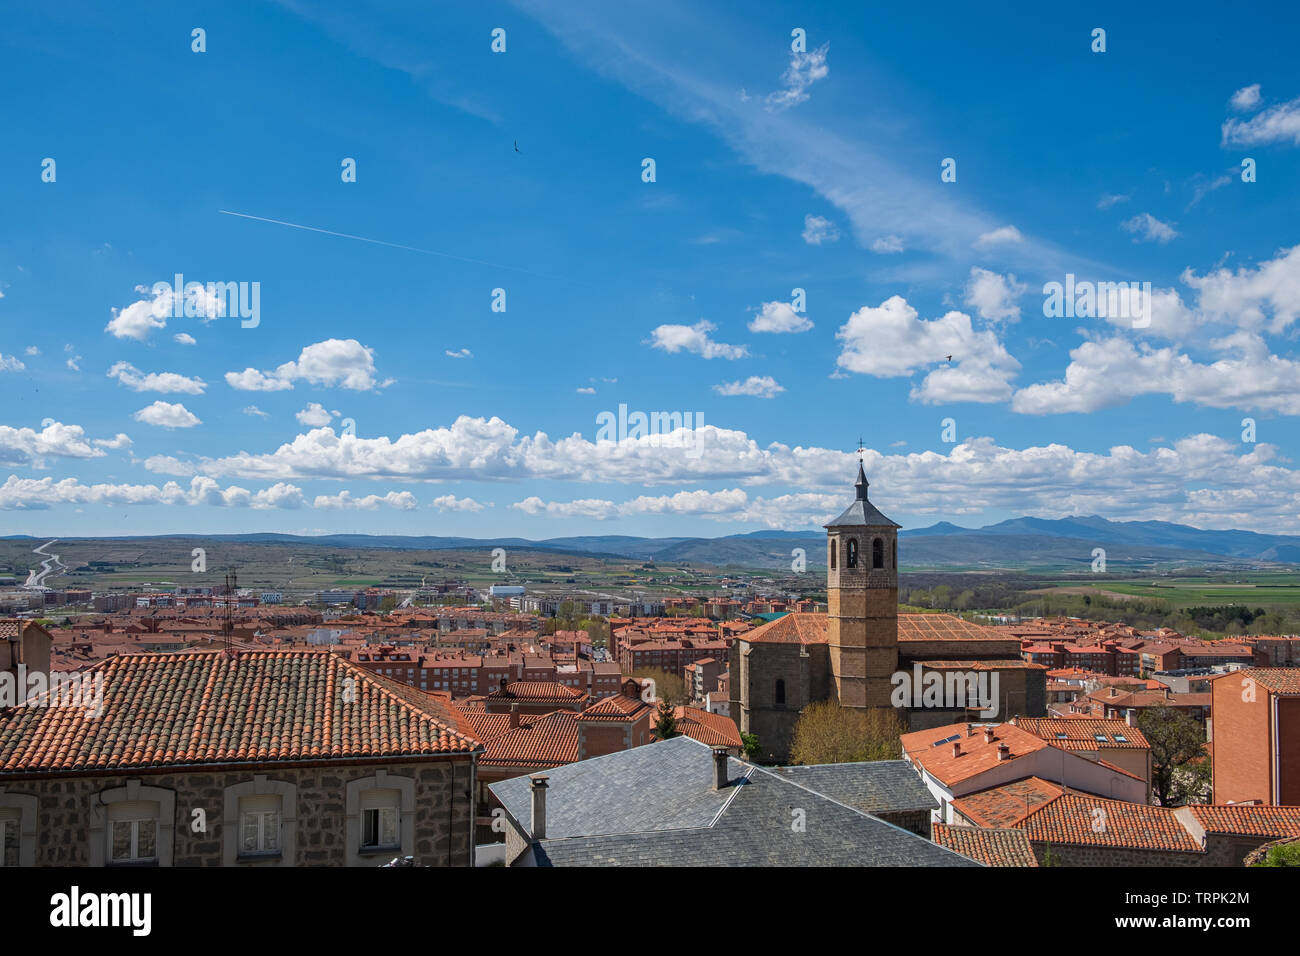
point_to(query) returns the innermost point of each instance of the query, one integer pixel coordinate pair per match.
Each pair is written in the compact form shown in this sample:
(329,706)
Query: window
(133,832)
(877,553)
(259,825)
(780,691)
(10,838)
(894,555)
(851,559)
(380,819)
(833,550)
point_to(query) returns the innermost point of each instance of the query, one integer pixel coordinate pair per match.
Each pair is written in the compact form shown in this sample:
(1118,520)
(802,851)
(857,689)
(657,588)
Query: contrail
(397,245)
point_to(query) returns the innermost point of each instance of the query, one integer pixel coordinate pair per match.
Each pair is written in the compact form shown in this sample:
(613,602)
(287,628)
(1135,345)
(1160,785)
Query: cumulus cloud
(130,376)
(33,494)
(167,415)
(804,70)
(887,245)
(254,410)
(184,338)
(695,339)
(758,386)
(890,341)
(28,446)
(586,390)
(10,363)
(459,353)
(994,296)
(1264,297)
(1148,227)
(1277,124)
(314,415)
(1003,235)
(1112,199)
(344,501)
(818,229)
(345,363)
(139,319)
(452,503)
(779,317)
(31,351)
(116,443)
(1246,98)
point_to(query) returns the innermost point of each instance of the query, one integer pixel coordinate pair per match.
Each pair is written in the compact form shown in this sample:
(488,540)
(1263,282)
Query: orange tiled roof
(712,729)
(1280,680)
(1081,733)
(976,755)
(537,690)
(1095,821)
(615,707)
(991,847)
(549,741)
(808,627)
(205,707)
(1008,804)
(1269,821)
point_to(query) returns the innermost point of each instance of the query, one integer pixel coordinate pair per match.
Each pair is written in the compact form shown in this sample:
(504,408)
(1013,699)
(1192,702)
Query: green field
(1254,590)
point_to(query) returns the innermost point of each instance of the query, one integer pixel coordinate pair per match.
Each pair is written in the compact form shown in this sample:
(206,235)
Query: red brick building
(1256,723)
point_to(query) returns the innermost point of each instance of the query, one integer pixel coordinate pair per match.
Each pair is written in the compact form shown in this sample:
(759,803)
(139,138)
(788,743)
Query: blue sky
(379,391)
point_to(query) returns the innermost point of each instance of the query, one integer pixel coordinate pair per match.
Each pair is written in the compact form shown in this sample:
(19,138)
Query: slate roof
(990,847)
(207,707)
(878,786)
(654,806)
(862,513)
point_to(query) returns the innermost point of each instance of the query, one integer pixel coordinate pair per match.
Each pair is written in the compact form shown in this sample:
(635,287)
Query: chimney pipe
(1130,717)
(988,735)
(537,784)
(720,768)
(514,715)
(956,748)
(1004,751)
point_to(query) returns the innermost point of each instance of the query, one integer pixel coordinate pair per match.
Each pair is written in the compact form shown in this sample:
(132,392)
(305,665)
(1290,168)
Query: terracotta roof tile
(991,847)
(206,707)
(1008,804)
(1094,821)
(712,729)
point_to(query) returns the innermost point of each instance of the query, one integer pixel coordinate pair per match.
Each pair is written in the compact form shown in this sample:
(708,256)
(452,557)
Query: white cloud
(31,351)
(10,363)
(1150,228)
(888,341)
(999,236)
(586,390)
(118,442)
(887,245)
(1246,98)
(818,229)
(695,339)
(55,440)
(804,70)
(598,508)
(254,410)
(343,501)
(1277,124)
(994,296)
(758,386)
(167,415)
(452,503)
(779,317)
(345,363)
(1204,187)
(314,415)
(184,338)
(73,363)
(128,375)
(459,353)
(1248,296)
(32,494)
(1112,199)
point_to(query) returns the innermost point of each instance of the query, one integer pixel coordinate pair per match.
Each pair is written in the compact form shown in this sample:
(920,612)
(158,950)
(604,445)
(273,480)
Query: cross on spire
(861,448)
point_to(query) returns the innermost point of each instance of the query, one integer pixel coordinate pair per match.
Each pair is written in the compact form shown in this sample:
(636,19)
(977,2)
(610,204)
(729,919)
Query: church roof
(862,512)
(810,628)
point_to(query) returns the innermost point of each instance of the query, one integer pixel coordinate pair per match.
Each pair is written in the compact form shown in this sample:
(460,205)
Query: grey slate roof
(654,806)
(880,786)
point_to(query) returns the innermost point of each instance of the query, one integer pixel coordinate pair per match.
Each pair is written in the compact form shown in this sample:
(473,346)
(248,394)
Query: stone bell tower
(862,602)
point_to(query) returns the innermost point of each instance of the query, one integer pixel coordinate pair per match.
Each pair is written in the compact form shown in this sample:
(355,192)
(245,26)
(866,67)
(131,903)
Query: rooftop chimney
(514,715)
(1004,751)
(537,784)
(719,768)
(956,748)
(988,735)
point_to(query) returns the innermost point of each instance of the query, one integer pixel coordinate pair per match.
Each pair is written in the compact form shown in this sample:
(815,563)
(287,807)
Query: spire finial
(861,483)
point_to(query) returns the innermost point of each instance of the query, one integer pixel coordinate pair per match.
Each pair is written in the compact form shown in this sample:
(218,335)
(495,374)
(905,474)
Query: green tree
(1179,768)
(829,733)
(665,722)
(668,687)
(1284,854)
(749,742)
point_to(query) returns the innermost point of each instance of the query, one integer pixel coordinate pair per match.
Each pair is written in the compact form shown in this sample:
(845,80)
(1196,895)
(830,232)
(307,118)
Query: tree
(668,687)
(665,722)
(749,742)
(1179,768)
(829,733)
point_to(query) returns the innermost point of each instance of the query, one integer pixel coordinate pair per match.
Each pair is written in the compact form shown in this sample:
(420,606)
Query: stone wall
(441,835)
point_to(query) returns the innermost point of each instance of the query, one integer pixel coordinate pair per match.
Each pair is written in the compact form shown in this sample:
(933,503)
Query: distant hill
(1022,543)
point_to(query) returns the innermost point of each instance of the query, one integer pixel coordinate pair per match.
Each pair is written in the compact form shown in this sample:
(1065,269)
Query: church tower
(862,602)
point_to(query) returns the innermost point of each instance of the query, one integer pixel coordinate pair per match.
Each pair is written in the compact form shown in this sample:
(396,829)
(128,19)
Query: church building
(863,654)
